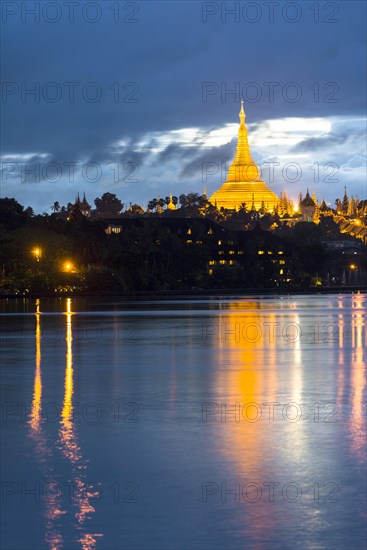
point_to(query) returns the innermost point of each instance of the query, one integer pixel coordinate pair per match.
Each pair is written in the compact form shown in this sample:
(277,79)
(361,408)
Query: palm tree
(56,207)
(152,205)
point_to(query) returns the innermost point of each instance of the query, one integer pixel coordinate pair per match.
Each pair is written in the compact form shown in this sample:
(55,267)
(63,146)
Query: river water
(184,424)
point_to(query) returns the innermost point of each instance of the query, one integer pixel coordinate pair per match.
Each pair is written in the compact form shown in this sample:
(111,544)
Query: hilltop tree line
(151,256)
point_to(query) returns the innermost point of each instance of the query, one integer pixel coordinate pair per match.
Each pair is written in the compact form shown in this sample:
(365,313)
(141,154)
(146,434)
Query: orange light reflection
(43,451)
(358,380)
(71,449)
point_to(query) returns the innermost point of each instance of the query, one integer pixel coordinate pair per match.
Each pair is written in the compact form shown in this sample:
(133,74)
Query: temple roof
(307,201)
(324,207)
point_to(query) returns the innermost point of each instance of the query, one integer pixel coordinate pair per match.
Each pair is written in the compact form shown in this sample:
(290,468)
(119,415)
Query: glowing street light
(37,252)
(353,266)
(68,267)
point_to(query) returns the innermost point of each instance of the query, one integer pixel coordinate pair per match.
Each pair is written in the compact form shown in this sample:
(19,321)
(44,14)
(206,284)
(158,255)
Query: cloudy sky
(141,98)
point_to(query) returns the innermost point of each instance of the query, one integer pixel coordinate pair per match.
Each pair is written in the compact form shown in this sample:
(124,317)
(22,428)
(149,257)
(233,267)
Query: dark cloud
(326,142)
(175,151)
(161,64)
(322,143)
(215,156)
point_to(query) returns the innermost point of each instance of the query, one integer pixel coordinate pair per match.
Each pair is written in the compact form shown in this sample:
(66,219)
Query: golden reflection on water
(351,374)
(253,370)
(43,450)
(247,374)
(69,445)
(358,379)
(37,388)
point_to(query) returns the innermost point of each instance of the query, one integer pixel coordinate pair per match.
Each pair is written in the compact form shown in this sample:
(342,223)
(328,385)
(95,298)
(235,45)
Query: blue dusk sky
(142,98)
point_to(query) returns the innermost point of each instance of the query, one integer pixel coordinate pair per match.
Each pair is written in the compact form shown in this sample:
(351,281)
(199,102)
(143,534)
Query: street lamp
(68,266)
(37,252)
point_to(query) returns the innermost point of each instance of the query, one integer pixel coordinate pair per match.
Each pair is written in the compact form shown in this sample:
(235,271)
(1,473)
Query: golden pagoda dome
(171,205)
(244,184)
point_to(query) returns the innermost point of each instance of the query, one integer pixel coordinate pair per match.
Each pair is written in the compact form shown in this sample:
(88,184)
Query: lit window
(231,252)
(210,232)
(260,252)
(221,252)
(240,252)
(189,241)
(211,262)
(189,231)
(269,252)
(222,262)
(219,243)
(113,229)
(281,271)
(231,262)
(280,252)
(210,272)
(281,262)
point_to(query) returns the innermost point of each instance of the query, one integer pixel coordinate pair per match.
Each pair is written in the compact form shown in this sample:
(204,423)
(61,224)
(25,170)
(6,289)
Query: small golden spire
(171,205)
(159,209)
(242,113)
(253,202)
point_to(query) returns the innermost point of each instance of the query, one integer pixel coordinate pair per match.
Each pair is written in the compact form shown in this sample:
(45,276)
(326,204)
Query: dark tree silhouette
(108,206)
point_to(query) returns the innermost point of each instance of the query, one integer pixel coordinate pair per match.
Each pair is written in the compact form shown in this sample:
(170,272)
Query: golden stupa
(243,183)
(171,205)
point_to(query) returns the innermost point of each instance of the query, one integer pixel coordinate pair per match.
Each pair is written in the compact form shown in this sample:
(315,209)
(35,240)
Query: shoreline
(194,292)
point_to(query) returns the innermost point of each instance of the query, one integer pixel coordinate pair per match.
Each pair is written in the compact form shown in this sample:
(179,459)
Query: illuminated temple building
(243,183)
(243,187)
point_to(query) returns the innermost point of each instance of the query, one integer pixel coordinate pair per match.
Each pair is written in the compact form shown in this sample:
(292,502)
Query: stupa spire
(243,168)
(243,183)
(242,114)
